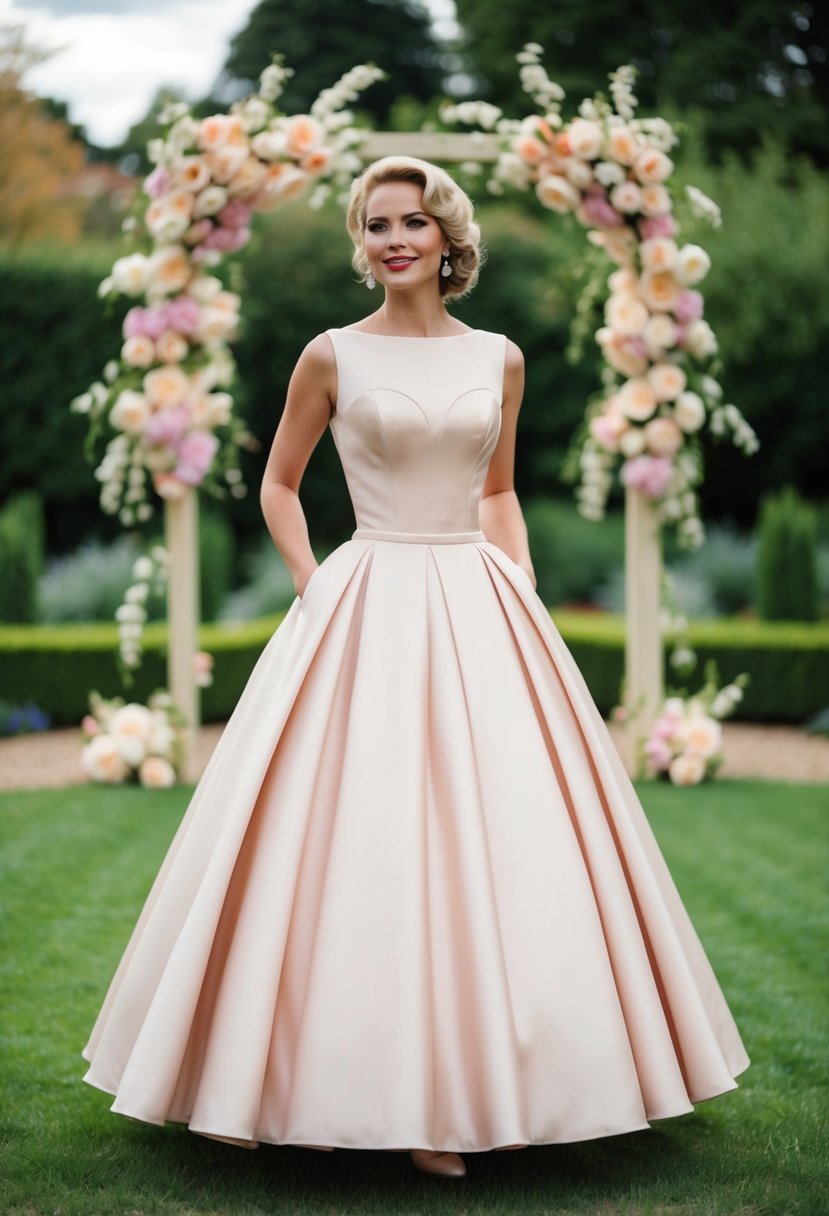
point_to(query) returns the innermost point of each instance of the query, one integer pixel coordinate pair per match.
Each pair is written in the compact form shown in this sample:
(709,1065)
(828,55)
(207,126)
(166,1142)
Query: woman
(415,902)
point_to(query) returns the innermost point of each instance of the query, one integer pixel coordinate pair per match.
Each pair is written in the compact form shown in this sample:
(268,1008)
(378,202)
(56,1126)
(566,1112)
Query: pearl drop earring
(370,281)
(446,269)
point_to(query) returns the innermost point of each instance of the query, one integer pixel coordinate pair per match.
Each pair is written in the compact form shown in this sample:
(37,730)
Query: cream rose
(166,386)
(209,201)
(130,727)
(156,773)
(302,135)
(130,412)
(662,436)
(269,145)
(585,138)
(248,179)
(658,253)
(282,182)
(689,411)
(619,245)
(316,162)
(169,487)
(660,290)
(651,165)
(701,734)
(129,274)
(215,323)
(622,356)
(692,264)
(530,149)
(557,193)
(171,346)
(659,334)
(192,173)
(637,399)
(623,281)
(578,172)
(700,340)
(626,314)
(225,163)
(667,380)
(626,197)
(632,441)
(101,760)
(138,351)
(687,769)
(221,130)
(164,224)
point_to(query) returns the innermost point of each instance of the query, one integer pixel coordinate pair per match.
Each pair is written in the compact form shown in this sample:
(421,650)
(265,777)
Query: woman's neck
(408,317)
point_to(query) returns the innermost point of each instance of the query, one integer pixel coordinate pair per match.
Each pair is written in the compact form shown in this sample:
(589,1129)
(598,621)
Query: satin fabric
(415,901)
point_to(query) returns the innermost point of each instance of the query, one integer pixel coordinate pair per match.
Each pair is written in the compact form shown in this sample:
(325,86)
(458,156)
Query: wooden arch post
(643,548)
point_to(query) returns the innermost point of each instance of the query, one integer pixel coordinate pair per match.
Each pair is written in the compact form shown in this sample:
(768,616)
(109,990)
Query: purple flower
(182,314)
(688,307)
(235,214)
(157,182)
(657,225)
(195,453)
(649,474)
(597,210)
(145,322)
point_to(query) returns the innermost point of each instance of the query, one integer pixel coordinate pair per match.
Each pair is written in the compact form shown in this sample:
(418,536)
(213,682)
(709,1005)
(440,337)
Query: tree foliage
(749,66)
(322,39)
(37,154)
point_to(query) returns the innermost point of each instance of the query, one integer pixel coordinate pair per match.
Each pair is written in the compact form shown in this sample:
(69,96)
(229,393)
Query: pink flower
(134,325)
(688,307)
(659,754)
(227,240)
(235,214)
(167,426)
(596,209)
(182,314)
(198,232)
(195,453)
(648,474)
(90,725)
(657,225)
(157,182)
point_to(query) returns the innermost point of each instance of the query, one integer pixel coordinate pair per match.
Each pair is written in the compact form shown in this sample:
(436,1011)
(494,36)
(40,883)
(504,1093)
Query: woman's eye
(417,223)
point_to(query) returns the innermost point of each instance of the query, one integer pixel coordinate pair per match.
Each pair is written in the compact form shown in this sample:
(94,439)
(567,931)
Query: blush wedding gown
(415,901)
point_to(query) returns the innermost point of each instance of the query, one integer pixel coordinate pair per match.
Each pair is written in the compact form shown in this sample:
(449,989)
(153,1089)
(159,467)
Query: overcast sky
(116,53)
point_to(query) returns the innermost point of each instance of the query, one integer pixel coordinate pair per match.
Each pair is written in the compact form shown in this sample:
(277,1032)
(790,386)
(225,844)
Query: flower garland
(132,742)
(685,741)
(165,397)
(612,171)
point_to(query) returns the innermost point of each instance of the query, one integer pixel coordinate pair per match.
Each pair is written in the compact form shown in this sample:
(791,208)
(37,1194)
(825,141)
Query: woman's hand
(301,581)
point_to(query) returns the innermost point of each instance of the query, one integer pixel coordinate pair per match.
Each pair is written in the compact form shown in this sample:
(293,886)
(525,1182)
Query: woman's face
(403,244)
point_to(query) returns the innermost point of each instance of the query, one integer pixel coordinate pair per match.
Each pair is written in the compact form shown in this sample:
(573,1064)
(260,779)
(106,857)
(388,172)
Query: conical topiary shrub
(787,582)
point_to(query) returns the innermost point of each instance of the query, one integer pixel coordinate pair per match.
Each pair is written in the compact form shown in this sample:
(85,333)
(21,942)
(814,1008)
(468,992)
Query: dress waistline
(420,538)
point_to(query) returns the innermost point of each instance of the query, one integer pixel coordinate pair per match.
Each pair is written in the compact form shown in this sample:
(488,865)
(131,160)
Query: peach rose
(171,346)
(192,173)
(637,399)
(701,734)
(667,381)
(530,149)
(248,179)
(658,253)
(659,334)
(102,761)
(651,165)
(166,386)
(221,131)
(316,162)
(632,441)
(700,340)
(625,281)
(619,245)
(130,412)
(662,436)
(180,203)
(660,290)
(623,355)
(170,269)
(156,773)
(281,183)
(622,144)
(578,172)
(557,193)
(655,200)
(225,163)
(687,769)
(303,134)
(215,323)
(169,487)
(626,197)
(163,223)
(138,351)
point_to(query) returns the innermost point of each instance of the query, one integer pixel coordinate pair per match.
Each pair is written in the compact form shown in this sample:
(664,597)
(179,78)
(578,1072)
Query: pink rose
(657,225)
(235,214)
(227,240)
(90,725)
(689,307)
(597,210)
(182,313)
(195,453)
(198,232)
(648,474)
(659,754)
(157,182)
(167,426)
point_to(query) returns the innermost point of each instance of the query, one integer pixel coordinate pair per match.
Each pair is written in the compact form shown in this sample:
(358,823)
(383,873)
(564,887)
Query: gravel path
(52,759)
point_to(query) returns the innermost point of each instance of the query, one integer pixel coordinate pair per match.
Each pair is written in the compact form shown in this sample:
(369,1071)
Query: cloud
(114,57)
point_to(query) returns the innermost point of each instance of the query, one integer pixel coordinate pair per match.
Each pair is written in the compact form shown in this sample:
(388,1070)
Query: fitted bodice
(416,422)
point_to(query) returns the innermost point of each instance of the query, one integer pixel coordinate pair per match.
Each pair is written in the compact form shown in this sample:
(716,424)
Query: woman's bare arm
(312,393)
(501,517)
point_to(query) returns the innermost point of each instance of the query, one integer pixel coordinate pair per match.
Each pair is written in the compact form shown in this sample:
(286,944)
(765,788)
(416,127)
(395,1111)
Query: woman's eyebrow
(385,217)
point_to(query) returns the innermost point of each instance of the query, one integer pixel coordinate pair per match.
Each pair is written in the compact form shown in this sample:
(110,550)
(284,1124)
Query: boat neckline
(411,337)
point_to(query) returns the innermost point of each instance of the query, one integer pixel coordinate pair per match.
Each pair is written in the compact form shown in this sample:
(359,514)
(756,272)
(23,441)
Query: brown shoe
(448,1165)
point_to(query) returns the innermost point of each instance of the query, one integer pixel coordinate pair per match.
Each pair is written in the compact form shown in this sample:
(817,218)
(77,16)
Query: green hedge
(56,666)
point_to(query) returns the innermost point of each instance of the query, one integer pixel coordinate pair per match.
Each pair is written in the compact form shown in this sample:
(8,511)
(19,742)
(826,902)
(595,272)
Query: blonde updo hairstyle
(443,199)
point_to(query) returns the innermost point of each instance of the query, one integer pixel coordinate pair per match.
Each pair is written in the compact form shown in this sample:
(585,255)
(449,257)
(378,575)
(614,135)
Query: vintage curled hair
(442,198)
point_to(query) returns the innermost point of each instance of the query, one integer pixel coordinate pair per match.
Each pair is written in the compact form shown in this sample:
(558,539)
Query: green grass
(750,861)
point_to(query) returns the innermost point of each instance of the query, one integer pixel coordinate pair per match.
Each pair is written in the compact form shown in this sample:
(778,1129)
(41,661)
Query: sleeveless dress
(414,901)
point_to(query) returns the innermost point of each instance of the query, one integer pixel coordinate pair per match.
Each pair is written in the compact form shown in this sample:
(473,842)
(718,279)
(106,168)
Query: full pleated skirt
(415,900)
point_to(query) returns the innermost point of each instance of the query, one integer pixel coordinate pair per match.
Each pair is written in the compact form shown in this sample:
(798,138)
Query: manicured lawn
(750,859)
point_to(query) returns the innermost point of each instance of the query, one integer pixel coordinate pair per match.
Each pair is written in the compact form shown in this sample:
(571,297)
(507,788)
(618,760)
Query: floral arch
(163,406)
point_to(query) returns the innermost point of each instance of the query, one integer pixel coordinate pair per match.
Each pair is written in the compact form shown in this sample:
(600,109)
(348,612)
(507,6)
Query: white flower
(156,773)
(692,264)
(711,388)
(659,334)
(101,760)
(704,207)
(687,769)
(254,113)
(209,201)
(626,197)
(662,436)
(626,314)
(632,441)
(622,145)
(700,734)
(655,200)
(689,411)
(608,173)
(130,412)
(667,381)
(651,165)
(585,138)
(129,274)
(138,351)
(700,339)
(269,145)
